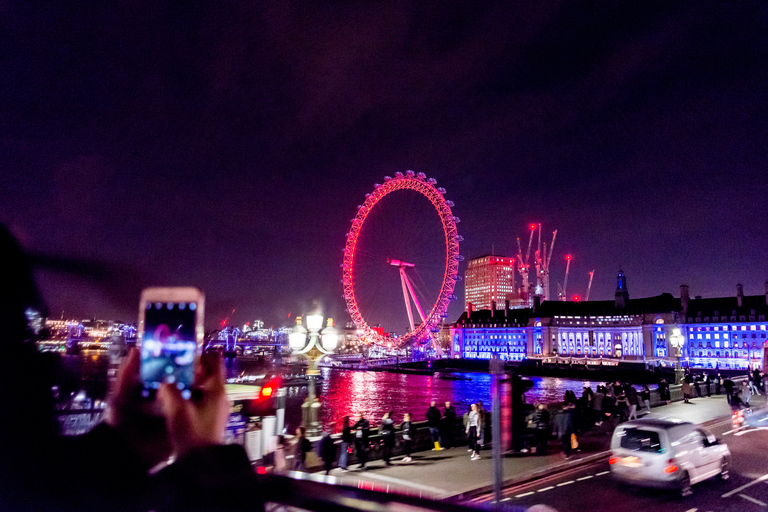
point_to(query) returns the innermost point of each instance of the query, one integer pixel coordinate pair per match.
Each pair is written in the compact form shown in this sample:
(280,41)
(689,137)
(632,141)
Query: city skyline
(229,148)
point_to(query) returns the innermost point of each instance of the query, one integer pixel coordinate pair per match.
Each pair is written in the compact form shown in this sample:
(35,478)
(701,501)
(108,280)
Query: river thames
(347,392)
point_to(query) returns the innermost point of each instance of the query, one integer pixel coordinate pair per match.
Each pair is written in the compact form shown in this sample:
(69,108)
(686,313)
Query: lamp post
(677,340)
(313,346)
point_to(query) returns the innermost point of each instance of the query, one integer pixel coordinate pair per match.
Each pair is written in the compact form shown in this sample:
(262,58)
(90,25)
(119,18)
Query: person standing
(481,430)
(597,405)
(542,429)
(718,383)
(686,389)
(387,431)
(696,382)
(362,431)
(346,441)
(708,385)
(407,437)
(645,396)
(449,425)
(433,423)
(301,446)
(327,449)
(728,385)
(664,395)
(633,401)
(474,426)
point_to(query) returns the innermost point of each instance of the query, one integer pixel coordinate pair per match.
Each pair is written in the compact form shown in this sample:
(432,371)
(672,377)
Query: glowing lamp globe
(314,322)
(330,337)
(298,336)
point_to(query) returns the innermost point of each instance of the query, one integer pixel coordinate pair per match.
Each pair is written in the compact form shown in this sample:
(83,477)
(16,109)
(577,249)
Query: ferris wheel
(433,305)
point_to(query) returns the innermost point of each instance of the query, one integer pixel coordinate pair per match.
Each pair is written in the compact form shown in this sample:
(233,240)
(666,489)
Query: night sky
(228,144)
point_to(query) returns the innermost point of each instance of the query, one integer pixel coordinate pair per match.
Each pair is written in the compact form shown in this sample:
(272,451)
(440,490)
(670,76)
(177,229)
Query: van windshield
(640,440)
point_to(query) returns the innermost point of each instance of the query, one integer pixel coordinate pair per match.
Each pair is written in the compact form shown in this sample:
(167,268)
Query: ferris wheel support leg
(404,281)
(413,295)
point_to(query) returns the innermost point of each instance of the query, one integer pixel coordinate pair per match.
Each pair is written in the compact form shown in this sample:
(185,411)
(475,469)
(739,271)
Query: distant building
(489,280)
(728,332)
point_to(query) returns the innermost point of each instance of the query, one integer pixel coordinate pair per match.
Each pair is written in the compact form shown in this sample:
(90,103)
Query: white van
(666,454)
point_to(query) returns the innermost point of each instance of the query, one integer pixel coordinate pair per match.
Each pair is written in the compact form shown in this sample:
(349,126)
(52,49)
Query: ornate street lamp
(677,341)
(313,346)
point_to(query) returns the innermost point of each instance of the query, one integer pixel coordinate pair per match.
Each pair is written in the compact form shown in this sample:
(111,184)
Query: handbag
(574,442)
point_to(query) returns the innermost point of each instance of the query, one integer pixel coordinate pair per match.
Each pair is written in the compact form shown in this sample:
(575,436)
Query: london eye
(401,261)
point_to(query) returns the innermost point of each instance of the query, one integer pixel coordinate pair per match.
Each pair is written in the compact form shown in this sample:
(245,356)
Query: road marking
(602,473)
(584,478)
(505,499)
(546,488)
(753,429)
(524,494)
(753,500)
(569,482)
(750,484)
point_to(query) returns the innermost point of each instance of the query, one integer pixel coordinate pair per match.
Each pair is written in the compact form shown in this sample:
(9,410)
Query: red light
(261,470)
(576,298)
(533,226)
(670,469)
(568,257)
(266,391)
(613,460)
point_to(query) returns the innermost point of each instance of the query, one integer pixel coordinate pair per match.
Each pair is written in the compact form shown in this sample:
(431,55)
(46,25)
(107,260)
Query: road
(591,488)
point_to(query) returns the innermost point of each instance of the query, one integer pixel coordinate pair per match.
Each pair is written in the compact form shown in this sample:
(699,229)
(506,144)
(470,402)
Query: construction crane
(589,286)
(524,266)
(563,294)
(542,266)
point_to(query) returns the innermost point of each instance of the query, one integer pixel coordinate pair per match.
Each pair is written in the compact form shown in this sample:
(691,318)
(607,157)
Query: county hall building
(725,332)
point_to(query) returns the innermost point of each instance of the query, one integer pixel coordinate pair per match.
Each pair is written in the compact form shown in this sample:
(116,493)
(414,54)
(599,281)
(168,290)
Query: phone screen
(168,346)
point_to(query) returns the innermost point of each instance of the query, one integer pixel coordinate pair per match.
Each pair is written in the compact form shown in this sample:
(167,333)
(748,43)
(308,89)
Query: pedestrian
(433,423)
(279,464)
(718,383)
(696,382)
(585,407)
(327,449)
(755,381)
(449,425)
(622,406)
(708,384)
(362,430)
(597,405)
(387,431)
(746,393)
(564,428)
(664,394)
(474,426)
(686,389)
(407,437)
(645,396)
(301,446)
(539,423)
(609,403)
(483,422)
(729,386)
(346,441)
(633,401)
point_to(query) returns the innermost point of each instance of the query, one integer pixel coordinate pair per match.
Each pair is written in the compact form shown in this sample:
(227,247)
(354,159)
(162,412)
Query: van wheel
(685,485)
(724,469)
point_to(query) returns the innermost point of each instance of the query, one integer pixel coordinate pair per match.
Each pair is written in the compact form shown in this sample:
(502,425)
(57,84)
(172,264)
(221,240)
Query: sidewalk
(450,473)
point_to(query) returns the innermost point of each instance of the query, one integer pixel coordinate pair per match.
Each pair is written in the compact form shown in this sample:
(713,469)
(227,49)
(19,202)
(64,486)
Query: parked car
(665,453)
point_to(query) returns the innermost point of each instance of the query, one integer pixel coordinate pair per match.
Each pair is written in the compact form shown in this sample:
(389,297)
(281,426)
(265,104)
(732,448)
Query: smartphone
(170,331)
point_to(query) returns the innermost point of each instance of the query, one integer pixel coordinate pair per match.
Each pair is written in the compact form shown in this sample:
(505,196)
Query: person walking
(633,401)
(301,446)
(541,429)
(686,389)
(327,449)
(346,441)
(483,423)
(645,396)
(474,426)
(449,425)
(362,430)
(407,437)
(746,393)
(664,394)
(433,423)
(564,428)
(755,381)
(729,386)
(387,431)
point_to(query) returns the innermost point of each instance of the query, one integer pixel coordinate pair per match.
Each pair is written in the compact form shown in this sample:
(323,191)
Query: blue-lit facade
(728,333)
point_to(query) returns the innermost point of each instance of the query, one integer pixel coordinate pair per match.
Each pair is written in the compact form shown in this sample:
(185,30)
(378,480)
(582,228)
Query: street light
(312,347)
(677,341)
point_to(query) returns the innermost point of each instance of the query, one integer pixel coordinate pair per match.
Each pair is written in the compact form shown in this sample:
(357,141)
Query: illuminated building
(727,332)
(489,280)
